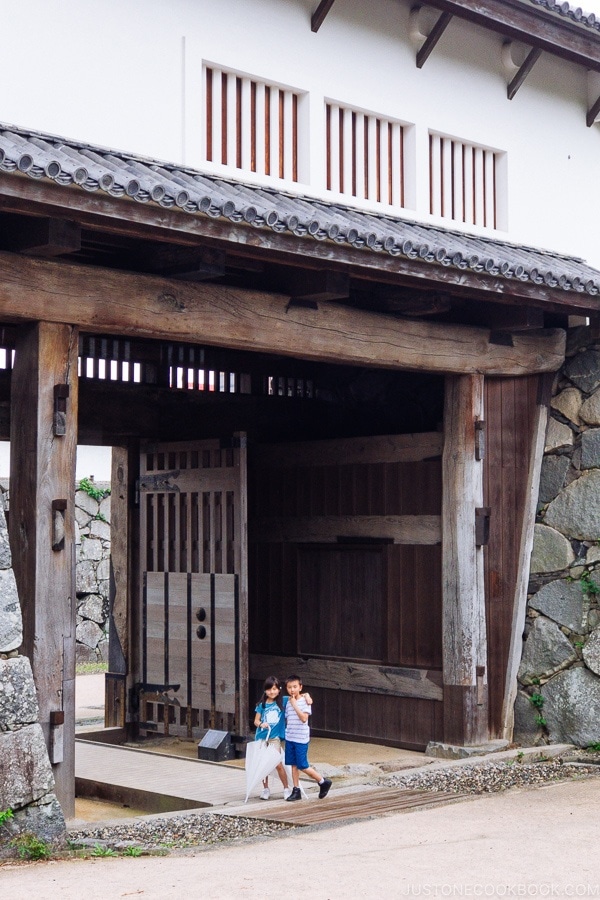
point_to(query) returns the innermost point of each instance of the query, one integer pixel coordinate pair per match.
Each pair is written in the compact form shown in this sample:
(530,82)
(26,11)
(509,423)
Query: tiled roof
(568,11)
(77,166)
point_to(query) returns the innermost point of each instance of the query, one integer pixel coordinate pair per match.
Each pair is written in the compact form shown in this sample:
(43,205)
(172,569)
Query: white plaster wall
(127,74)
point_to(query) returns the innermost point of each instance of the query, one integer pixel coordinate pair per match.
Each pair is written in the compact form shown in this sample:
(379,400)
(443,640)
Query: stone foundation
(559,676)
(26,780)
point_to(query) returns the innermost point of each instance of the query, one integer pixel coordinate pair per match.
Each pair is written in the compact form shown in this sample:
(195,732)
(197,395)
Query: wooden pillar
(464,633)
(42,529)
(123,649)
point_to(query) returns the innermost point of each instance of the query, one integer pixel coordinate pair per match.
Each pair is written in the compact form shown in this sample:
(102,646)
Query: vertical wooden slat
(446,177)
(359,150)
(225,113)
(275,127)
(469,203)
(373,160)
(458,210)
(245,136)
(435,167)
(396,165)
(348,158)
(208,87)
(489,198)
(335,147)
(260,129)
(478,183)
(231,135)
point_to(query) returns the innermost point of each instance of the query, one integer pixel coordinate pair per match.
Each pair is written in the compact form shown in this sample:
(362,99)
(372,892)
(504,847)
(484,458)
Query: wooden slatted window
(251,125)
(365,155)
(466,182)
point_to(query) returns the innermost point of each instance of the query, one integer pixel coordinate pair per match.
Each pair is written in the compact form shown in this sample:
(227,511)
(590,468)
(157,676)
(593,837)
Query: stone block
(568,402)
(584,370)
(90,549)
(558,436)
(44,819)
(572,707)
(455,751)
(525,731)
(89,633)
(546,651)
(25,770)
(85,654)
(11,623)
(105,508)
(18,699)
(590,409)
(590,448)
(92,608)
(82,517)
(576,510)
(5,556)
(591,652)
(87,504)
(552,477)
(100,529)
(563,602)
(103,570)
(86,580)
(551,552)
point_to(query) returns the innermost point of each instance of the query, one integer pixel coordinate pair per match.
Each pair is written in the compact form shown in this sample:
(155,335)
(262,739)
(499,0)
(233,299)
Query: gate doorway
(193,586)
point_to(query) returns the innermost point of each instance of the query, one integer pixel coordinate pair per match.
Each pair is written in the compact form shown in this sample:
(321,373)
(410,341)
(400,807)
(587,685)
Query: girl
(269,714)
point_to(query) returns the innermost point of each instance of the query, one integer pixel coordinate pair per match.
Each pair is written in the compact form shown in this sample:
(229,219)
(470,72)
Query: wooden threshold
(376,801)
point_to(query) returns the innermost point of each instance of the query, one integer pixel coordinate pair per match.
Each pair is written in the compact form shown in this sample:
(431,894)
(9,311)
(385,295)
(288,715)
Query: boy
(297,736)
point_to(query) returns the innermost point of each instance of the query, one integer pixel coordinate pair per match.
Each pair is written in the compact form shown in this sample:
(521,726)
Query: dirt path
(541,842)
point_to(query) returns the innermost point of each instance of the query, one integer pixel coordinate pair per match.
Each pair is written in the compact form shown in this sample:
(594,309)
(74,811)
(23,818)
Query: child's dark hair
(271,681)
(293,678)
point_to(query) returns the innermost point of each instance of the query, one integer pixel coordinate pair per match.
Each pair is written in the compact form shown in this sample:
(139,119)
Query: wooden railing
(464,181)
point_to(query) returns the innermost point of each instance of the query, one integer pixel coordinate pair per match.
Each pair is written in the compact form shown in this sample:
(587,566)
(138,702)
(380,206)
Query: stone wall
(26,779)
(92,523)
(559,675)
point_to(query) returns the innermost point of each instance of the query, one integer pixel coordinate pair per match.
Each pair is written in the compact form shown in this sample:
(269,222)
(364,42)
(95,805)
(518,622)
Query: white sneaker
(265,794)
(286,793)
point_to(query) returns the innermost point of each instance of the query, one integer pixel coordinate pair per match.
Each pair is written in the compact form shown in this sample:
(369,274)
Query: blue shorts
(296,755)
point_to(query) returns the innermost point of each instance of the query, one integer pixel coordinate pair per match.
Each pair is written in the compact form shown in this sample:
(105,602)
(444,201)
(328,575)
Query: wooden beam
(531,26)
(592,113)
(520,602)
(122,303)
(388,448)
(463,593)
(44,237)
(314,286)
(530,60)
(432,38)
(352,676)
(413,530)
(110,215)
(42,533)
(318,17)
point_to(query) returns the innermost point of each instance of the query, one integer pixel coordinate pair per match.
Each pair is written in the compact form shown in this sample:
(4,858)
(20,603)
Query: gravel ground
(173,832)
(493,776)
(193,829)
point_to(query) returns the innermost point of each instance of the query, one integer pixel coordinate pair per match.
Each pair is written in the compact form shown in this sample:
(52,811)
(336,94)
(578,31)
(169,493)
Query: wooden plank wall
(510,408)
(395,698)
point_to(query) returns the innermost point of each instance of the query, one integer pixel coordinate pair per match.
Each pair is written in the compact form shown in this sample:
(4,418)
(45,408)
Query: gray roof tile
(121,175)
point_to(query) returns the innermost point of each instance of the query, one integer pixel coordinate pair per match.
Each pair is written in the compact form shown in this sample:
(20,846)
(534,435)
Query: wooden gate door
(193,587)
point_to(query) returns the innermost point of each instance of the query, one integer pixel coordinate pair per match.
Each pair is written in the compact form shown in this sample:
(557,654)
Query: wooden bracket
(58,524)
(482,526)
(432,38)
(479,439)
(61,395)
(592,113)
(318,17)
(530,60)
(56,751)
(480,675)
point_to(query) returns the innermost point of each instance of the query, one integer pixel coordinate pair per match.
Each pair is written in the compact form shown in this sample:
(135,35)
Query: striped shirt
(295,729)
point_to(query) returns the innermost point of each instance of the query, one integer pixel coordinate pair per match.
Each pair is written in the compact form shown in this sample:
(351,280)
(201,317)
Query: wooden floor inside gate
(358,804)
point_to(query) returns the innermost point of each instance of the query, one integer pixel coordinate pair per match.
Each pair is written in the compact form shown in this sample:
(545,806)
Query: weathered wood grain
(143,306)
(42,471)
(310,529)
(525,548)
(388,448)
(464,635)
(393,681)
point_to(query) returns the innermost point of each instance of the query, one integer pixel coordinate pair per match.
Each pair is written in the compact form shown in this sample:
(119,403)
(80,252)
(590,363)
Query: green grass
(91,668)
